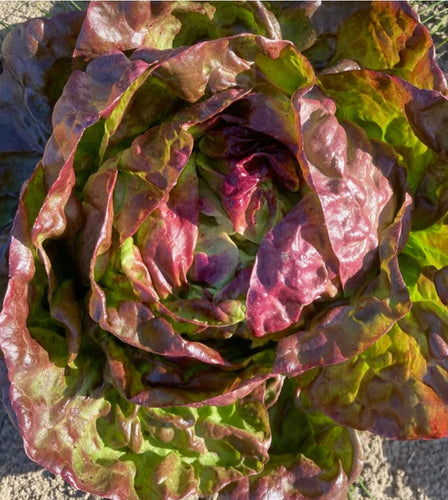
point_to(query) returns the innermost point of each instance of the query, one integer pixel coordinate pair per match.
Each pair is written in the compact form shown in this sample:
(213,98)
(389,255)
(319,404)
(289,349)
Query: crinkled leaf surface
(34,73)
(130,25)
(382,106)
(310,455)
(397,387)
(401,378)
(384,36)
(225,204)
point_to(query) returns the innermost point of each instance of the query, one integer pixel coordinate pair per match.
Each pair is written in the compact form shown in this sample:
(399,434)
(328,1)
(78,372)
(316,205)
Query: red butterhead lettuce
(228,250)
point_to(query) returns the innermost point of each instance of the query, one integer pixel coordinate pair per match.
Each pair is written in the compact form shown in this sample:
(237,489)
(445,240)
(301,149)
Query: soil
(394,470)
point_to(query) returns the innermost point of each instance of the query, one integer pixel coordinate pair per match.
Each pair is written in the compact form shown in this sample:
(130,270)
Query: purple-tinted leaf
(397,388)
(345,330)
(217,65)
(157,336)
(238,287)
(232,141)
(34,72)
(168,237)
(129,25)
(339,166)
(96,235)
(216,257)
(88,96)
(427,112)
(198,380)
(250,199)
(284,166)
(272,115)
(203,312)
(237,142)
(67,311)
(125,25)
(295,265)
(312,26)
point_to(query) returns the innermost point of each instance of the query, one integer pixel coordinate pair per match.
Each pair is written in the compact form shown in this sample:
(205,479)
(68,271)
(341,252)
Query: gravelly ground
(393,470)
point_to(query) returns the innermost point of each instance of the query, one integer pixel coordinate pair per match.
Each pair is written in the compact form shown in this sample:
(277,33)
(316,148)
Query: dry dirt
(393,470)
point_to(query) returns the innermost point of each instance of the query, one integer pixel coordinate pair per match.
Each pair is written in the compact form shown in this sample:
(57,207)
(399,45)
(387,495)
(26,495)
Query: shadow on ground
(422,466)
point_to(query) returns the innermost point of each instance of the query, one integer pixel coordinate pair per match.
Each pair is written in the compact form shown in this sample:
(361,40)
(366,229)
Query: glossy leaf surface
(223,243)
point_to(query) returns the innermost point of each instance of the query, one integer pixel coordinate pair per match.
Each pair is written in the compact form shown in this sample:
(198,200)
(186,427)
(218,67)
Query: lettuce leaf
(223,243)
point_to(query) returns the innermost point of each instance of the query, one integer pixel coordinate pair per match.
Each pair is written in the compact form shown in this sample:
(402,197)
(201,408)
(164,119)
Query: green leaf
(306,444)
(429,247)
(289,71)
(388,37)
(398,387)
(378,104)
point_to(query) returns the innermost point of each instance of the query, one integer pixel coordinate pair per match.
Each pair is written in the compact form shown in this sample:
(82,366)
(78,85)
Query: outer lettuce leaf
(426,111)
(431,201)
(130,25)
(310,456)
(398,386)
(118,449)
(383,105)
(34,72)
(384,36)
(428,247)
(313,26)
(431,194)
(29,85)
(390,38)
(402,379)
(408,119)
